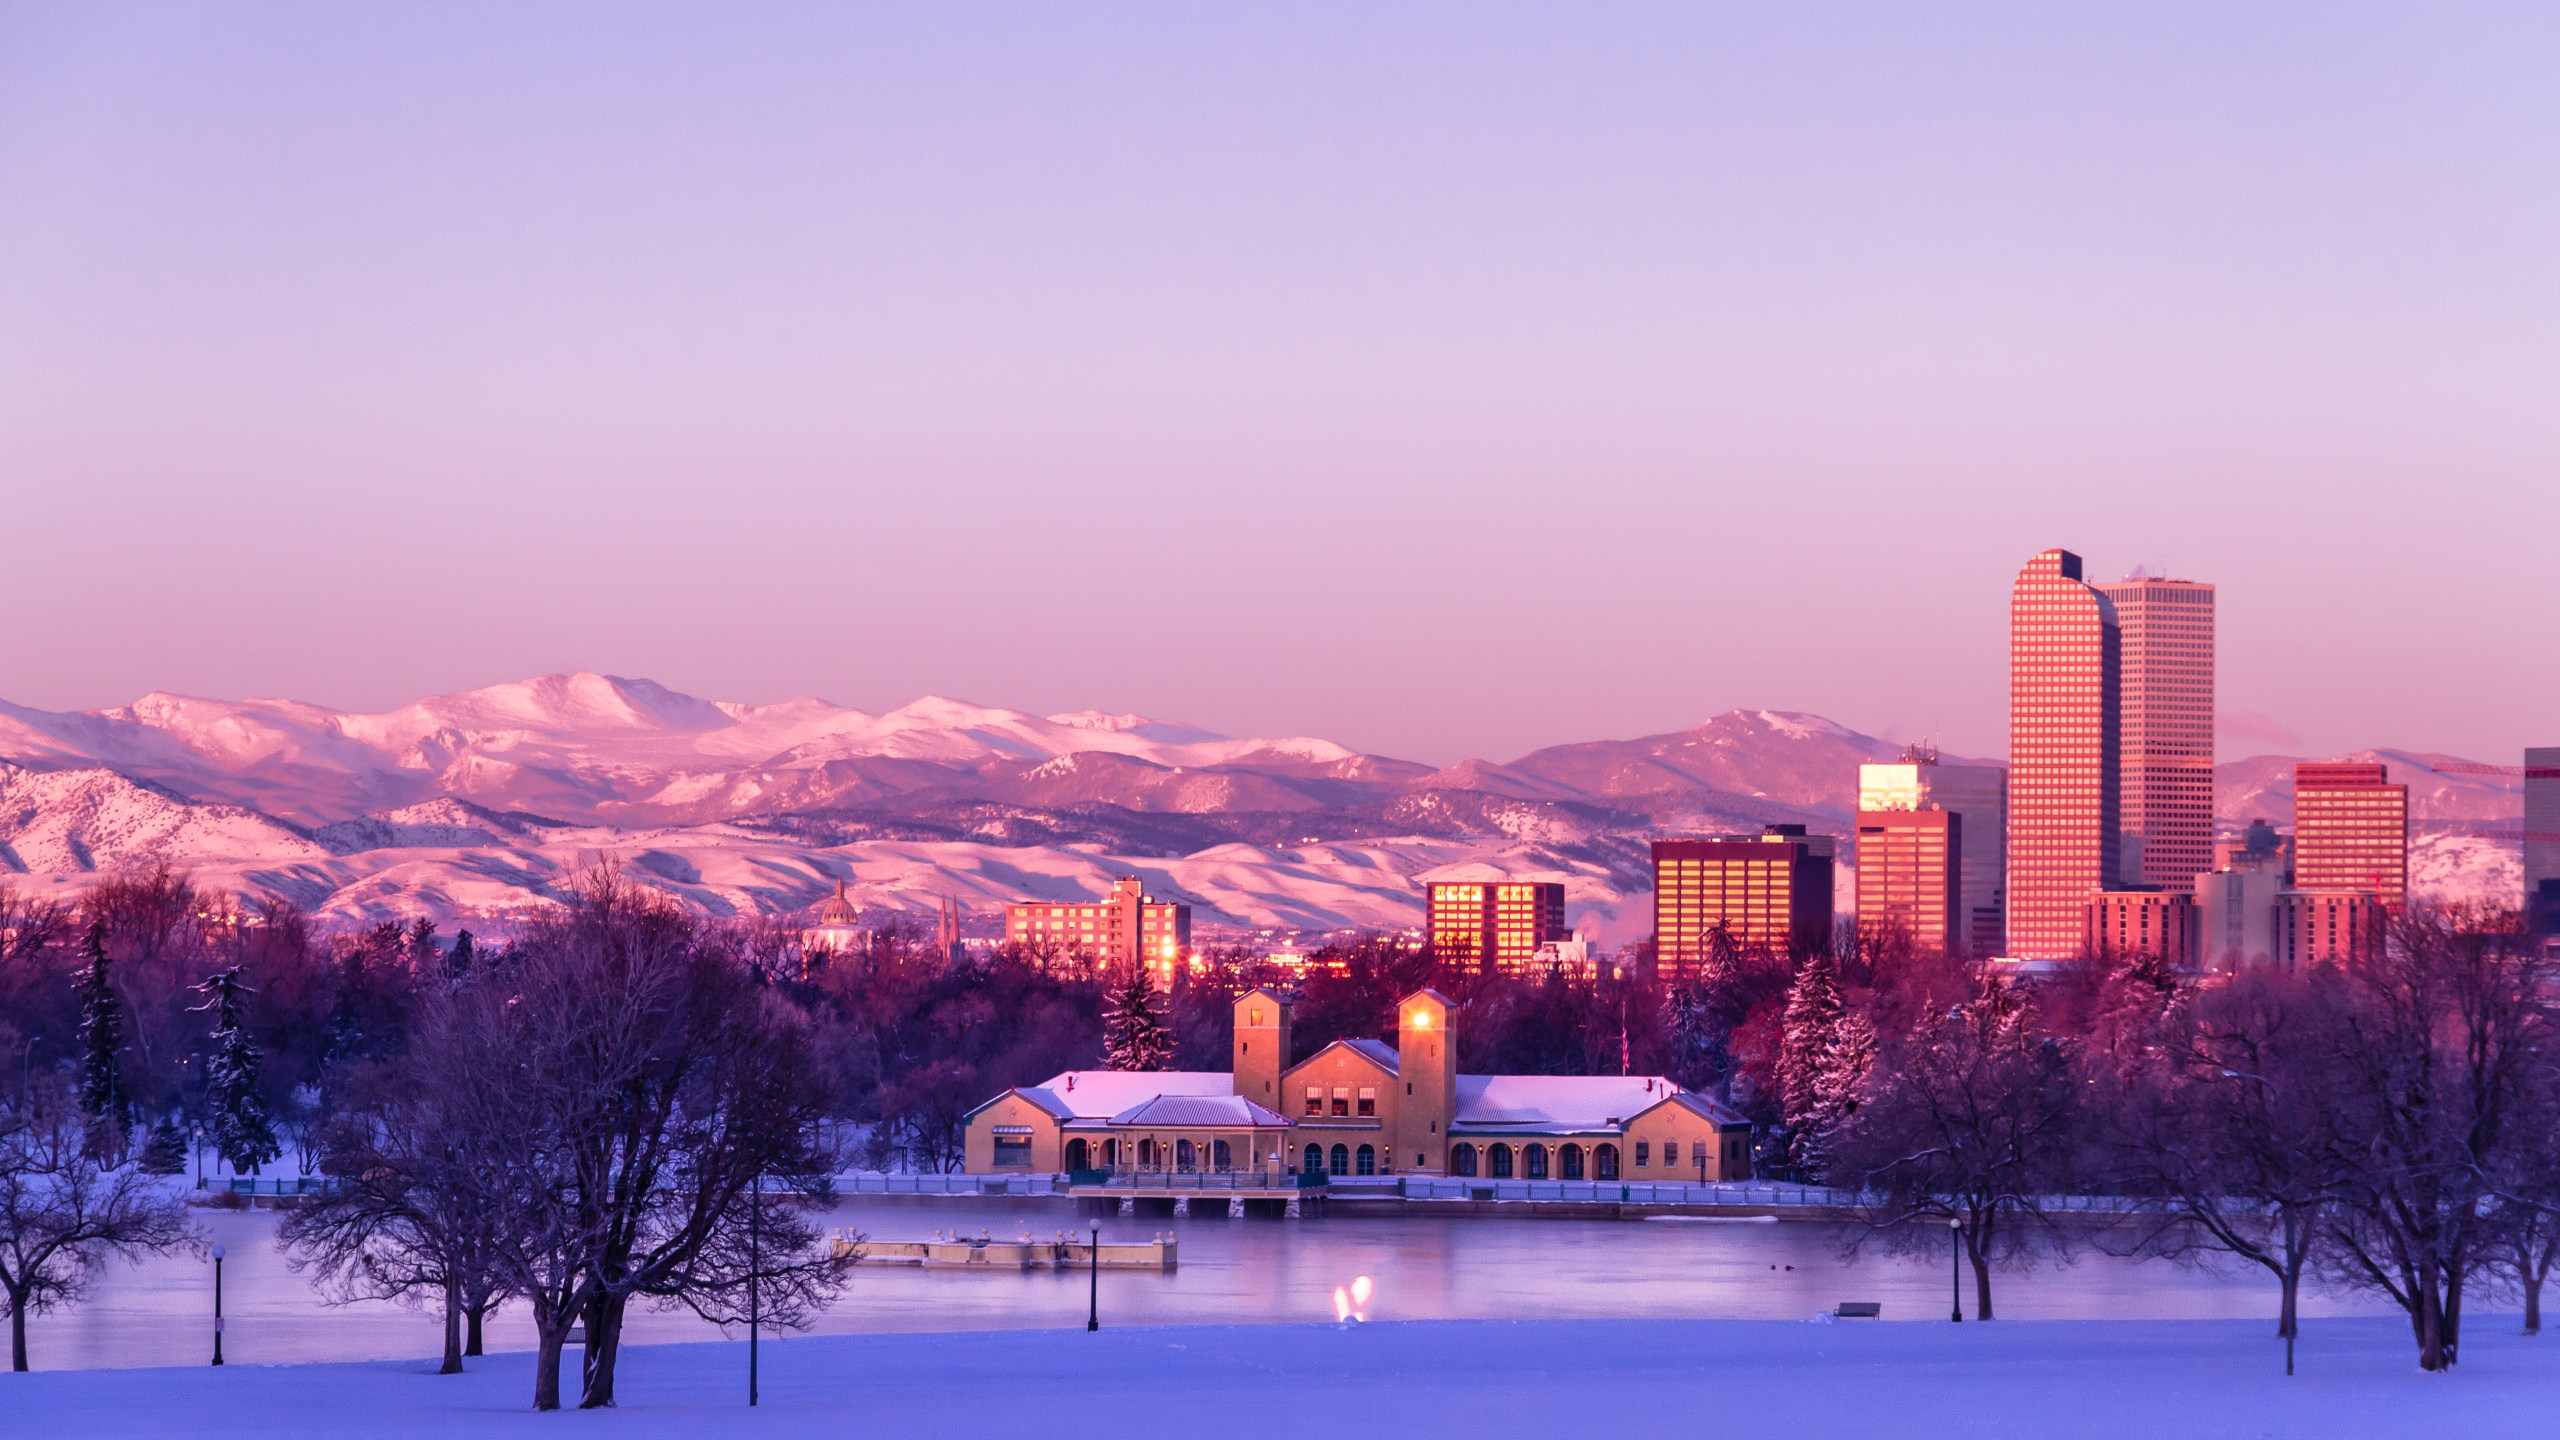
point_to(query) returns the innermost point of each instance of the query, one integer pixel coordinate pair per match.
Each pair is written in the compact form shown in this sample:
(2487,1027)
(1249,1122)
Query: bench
(1859,1310)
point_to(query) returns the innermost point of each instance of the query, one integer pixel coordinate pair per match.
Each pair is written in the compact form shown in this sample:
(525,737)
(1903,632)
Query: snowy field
(1633,1378)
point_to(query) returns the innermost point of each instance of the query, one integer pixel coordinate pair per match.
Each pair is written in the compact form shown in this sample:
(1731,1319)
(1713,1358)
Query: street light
(1955,1267)
(755,1239)
(1093,1292)
(217,1304)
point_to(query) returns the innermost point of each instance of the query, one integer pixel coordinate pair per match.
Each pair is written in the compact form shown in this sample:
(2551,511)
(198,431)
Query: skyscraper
(1978,793)
(2542,838)
(2063,756)
(2350,831)
(1494,926)
(1908,862)
(1771,890)
(2165,690)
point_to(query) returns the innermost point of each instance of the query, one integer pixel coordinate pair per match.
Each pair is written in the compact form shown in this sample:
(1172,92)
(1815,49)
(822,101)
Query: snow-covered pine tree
(102,1096)
(165,1153)
(1836,1087)
(457,961)
(1133,1031)
(243,1134)
(1813,1016)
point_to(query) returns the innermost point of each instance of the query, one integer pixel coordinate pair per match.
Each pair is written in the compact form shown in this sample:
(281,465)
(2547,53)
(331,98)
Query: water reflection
(1233,1271)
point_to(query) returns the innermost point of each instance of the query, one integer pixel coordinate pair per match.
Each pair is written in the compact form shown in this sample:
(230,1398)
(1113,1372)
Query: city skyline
(1729,359)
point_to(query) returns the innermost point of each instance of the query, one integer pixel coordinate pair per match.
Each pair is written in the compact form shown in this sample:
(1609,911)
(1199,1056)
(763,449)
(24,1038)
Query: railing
(261,1185)
(1624,1192)
(872,1182)
(1174,1180)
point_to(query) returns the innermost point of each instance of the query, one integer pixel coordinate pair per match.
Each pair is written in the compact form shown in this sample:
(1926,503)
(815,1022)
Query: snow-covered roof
(1563,1103)
(1190,1110)
(1378,1050)
(1101,1094)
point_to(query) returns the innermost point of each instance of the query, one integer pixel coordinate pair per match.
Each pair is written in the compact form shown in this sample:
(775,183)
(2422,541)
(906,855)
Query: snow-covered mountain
(482,802)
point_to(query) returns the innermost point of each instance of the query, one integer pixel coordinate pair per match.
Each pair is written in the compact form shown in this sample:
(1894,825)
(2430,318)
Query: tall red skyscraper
(2063,758)
(2350,831)
(2165,797)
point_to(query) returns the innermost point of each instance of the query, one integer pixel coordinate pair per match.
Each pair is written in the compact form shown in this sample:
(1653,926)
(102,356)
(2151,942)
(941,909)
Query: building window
(1013,1152)
(1535,1157)
(1644,1153)
(1315,1099)
(1369,1100)
(1341,1160)
(1367,1161)
(1462,1159)
(1315,1160)
(1500,1168)
(1605,1161)
(1342,1101)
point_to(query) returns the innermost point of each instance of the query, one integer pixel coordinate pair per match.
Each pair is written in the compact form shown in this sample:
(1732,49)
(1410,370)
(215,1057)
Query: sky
(1442,380)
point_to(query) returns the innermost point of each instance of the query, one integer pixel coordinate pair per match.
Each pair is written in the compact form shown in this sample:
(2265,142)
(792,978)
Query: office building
(1127,925)
(2120,924)
(1978,793)
(2064,775)
(2331,925)
(1907,866)
(1768,891)
(1494,926)
(2350,831)
(2165,739)
(2240,912)
(2542,838)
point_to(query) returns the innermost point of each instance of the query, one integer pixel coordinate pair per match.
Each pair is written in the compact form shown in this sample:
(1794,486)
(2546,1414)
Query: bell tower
(1427,1070)
(1262,1045)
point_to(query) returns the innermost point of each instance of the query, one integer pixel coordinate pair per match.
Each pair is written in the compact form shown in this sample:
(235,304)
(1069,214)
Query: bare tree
(2221,1120)
(2441,1030)
(63,1212)
(1973,1119)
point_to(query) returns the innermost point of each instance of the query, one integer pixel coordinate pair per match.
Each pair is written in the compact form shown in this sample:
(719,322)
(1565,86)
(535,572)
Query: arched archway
(1570,1157)
(1147,1154)
(1315,1160)
(1186,1156)
(1341,1160)
(1499,1157)
(1079,1154)
(1534,1161)
(1462,1159)
(1111,1154)
(1605,1162)
(1366,1162)
(1222,1157)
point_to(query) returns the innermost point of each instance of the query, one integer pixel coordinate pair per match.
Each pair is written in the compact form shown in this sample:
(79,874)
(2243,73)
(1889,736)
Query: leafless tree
(63,1213)
(2442,1028)
(1974,1119)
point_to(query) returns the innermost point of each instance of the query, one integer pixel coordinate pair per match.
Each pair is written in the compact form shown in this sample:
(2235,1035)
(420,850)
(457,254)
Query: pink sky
(1443,380)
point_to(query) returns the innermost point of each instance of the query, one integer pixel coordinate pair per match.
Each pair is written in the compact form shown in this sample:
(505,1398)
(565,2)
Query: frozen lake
(1232,1272)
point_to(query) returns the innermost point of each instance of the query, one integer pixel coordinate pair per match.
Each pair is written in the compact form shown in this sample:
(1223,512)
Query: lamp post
(217,1304)
(755,1261)
(1093,1290)
(1955,1268)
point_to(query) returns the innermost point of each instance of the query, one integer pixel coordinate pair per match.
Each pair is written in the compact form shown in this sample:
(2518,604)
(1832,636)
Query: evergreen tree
(165,1153)
(102,1095)
(1134,1036)
(1836,1088)
(457,961)
(1814,1010)
(242,1132)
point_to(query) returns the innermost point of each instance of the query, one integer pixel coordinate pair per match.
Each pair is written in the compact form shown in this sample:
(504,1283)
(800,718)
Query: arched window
(1536,1158)
(1462,1159)
(1315,1159)
(1571,1155)
(1341,1160)
(1221,1158)
(1500,1169)
(1367,1161)
(1606,1158)
(1186,1157)
(1110,1154)
(1147,1154)
(1078,1155)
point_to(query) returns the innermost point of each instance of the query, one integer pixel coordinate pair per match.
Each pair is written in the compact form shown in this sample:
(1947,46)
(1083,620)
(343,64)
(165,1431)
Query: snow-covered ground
(1620,1378)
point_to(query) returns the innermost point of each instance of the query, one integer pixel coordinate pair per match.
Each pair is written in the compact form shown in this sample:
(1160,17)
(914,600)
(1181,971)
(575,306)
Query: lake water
(1232,1272)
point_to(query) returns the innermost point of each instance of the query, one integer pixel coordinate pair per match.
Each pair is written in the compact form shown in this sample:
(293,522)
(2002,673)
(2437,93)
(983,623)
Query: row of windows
(1342,1100)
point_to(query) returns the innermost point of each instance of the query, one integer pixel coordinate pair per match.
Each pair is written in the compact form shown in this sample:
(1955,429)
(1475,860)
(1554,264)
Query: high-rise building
(2165,704)
(1128,925)
(2063,755)
(2542,838)
(1980,794)
(2322,925)
(1908,861)
(2350,831)
(1492,926)
(1767,891)
(2157,923)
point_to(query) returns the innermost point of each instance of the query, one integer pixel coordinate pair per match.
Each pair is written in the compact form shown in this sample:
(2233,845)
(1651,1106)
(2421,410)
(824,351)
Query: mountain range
(479,804)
